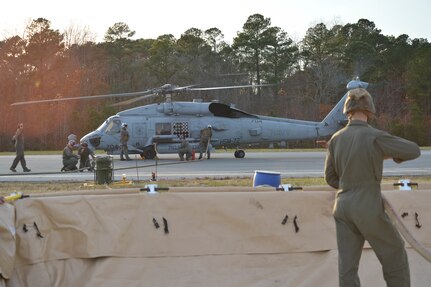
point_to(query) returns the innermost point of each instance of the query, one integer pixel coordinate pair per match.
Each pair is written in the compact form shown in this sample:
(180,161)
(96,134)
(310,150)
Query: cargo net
(181,129)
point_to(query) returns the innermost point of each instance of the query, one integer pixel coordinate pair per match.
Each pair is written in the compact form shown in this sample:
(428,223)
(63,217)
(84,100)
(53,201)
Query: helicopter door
(139,132)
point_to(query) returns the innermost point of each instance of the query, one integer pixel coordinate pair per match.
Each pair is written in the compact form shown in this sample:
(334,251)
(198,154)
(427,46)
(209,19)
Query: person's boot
(26,169)
(12,169)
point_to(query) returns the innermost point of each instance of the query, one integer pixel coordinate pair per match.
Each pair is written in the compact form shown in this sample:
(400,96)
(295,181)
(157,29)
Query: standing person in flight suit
(124,138)
(18,139)
(354,166)
(205,139)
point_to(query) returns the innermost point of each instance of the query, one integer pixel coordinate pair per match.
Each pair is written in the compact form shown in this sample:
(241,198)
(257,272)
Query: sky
(150,19)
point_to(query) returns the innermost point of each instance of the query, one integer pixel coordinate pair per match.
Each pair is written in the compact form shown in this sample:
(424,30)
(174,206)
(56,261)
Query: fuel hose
(397,221)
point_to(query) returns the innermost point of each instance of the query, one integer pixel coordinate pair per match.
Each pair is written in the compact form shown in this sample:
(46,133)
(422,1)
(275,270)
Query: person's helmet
(209,126)
(124,125)
(71,137)
(359,99)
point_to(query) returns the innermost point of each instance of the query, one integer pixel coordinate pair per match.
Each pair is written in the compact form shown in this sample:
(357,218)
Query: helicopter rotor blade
(165,89)
(132,94)
(230,87)
(131,101)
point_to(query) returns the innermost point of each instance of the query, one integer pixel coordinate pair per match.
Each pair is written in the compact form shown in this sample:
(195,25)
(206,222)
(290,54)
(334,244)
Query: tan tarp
(194,239)
(7,241)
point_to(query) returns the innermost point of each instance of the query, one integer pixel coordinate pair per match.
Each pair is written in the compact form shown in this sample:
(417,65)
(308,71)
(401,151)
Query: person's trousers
(124,151)
(19,158)
(371,224)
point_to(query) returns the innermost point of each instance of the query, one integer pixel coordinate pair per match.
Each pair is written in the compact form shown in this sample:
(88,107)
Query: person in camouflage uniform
(85,153)
(70,160)
(354,166)
(185,150)
(205,138)
(124,138)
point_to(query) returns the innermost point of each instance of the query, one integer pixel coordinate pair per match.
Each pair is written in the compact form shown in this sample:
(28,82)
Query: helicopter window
(223,110)
(181,129)
(103,126)
(113,126)
(163,128)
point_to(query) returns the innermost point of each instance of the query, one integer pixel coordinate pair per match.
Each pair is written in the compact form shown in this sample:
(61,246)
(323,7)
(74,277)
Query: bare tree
(76,35)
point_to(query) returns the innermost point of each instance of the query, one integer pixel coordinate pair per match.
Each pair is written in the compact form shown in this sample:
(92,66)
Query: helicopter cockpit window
(163,128)
(113,126)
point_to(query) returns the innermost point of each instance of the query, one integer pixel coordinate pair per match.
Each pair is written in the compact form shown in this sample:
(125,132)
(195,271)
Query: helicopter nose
(93,139)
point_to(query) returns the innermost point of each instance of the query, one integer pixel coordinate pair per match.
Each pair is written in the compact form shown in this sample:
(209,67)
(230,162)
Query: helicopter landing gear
(149,153)
(239,153)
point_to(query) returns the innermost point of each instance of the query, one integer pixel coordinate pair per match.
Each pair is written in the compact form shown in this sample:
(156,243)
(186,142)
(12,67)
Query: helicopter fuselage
(159,128)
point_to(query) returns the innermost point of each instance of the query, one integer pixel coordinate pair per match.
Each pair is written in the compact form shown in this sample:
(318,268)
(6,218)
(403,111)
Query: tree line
(309,75)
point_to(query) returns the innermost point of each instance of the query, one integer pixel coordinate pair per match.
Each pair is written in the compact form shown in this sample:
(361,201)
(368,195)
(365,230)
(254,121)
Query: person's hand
(322,143)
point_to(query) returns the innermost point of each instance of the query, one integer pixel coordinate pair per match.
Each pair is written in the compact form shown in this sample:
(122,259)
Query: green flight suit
(205,137)
(354,166)
(70,160)
(185,149)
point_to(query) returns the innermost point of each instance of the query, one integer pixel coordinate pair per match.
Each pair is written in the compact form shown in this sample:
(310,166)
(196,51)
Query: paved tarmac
(221,165)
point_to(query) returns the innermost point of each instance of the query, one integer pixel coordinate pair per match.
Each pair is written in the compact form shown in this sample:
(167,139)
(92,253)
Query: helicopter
(159,128)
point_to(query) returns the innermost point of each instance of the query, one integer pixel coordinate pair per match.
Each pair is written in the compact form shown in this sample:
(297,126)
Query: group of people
(185,149)
(84,154)
(70,159)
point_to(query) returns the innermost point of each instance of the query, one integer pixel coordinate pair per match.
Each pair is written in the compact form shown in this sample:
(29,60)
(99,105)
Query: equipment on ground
(104,169)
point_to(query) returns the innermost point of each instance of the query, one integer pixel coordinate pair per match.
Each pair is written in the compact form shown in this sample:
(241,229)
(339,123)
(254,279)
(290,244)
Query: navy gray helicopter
(160,127)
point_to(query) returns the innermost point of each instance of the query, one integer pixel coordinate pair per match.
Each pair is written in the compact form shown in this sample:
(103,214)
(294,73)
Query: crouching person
(70,160)
(85,153)
(185,150)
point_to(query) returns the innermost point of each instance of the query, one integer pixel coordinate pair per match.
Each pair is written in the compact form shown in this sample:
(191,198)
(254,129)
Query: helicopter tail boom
(334,120)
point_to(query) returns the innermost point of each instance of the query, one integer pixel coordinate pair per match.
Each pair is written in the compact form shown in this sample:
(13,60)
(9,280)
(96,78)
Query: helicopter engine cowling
(184,108)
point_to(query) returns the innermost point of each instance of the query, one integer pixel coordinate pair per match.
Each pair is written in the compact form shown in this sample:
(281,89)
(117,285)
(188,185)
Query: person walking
(354,166)
(205,139)
(124,138)
(18,138)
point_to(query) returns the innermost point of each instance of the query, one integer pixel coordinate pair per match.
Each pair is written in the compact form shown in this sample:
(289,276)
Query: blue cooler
(266,178)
